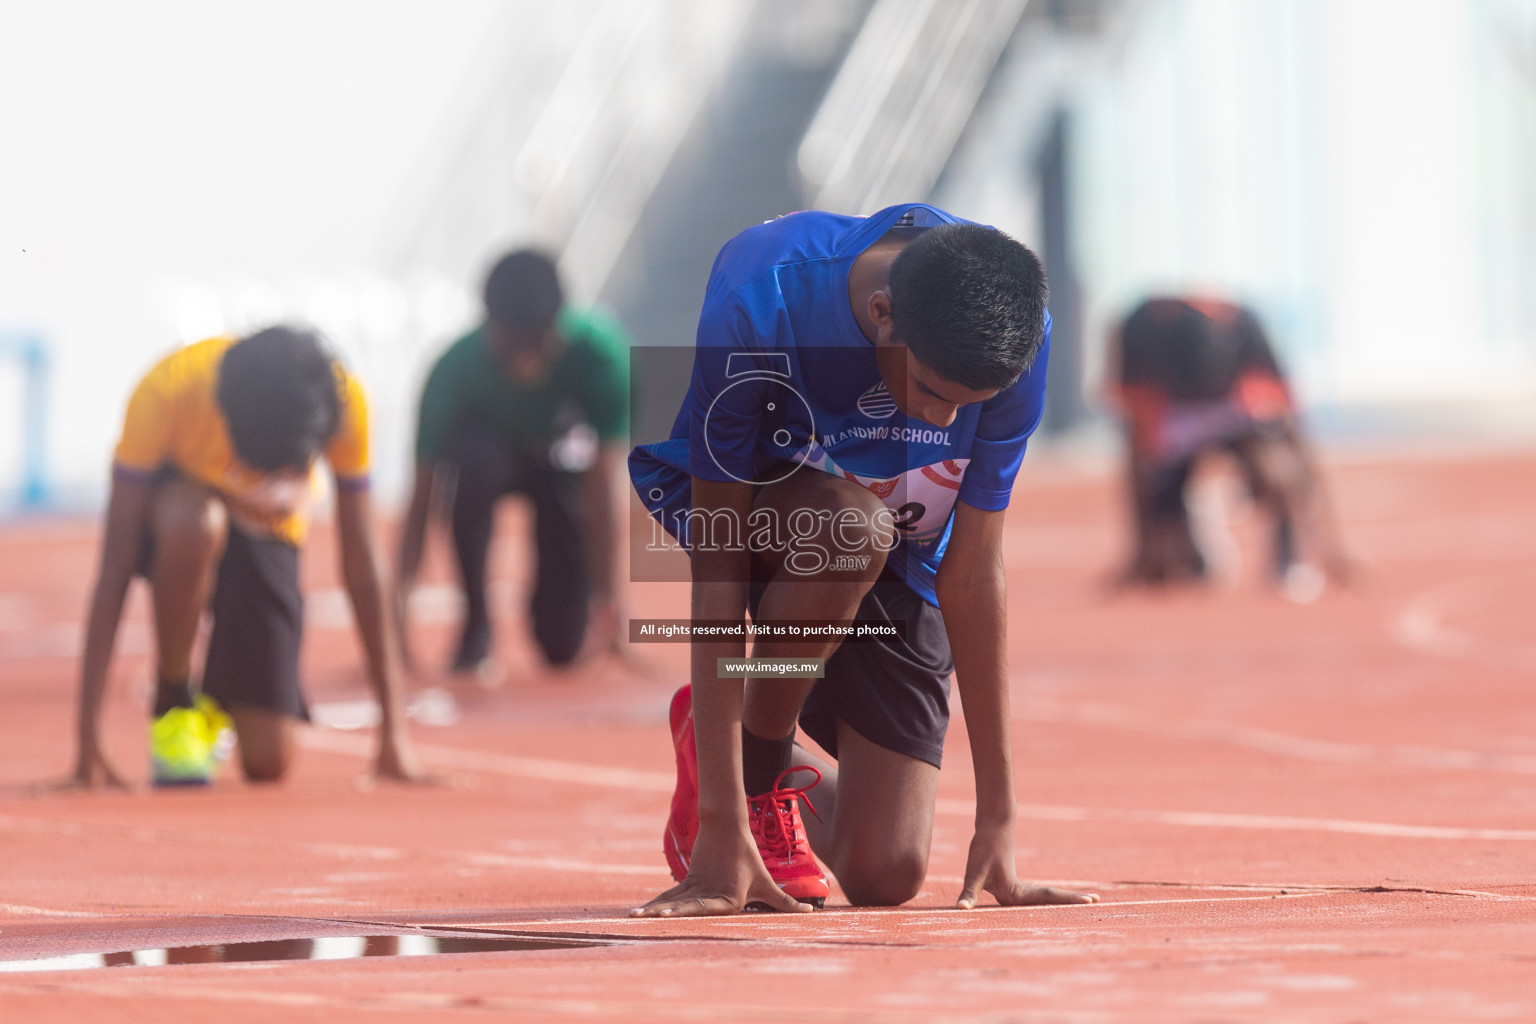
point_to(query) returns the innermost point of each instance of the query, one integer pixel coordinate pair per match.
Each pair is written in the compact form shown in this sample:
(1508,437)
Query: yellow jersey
(174,421)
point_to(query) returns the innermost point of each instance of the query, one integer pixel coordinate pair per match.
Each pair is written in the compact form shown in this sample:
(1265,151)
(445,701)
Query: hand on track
(397,762)
(725,877)
(92,771)
(990,868)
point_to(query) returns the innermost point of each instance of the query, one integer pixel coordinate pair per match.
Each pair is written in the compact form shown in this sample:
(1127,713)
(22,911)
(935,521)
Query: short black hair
(523,290)
(279,390)
(969,301)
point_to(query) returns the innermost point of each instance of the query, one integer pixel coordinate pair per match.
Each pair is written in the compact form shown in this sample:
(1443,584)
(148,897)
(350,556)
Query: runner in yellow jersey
(211,485)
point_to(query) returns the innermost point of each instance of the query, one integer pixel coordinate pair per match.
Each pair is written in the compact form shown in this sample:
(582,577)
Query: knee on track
(883,882)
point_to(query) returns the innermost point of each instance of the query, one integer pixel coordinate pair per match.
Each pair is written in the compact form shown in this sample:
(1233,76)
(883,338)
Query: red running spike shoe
(683,822)
(781,839)
(774,817)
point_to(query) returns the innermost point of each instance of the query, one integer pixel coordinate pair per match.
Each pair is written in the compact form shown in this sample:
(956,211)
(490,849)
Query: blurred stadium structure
(901,99)
(24,399)
(1358,170)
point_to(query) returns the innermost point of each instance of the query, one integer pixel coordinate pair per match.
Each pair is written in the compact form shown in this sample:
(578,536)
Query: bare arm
(599,523)
(362,576)
(1320,540)
(126,519)
(719,592)
(413,533)
(726,872)
(973,596)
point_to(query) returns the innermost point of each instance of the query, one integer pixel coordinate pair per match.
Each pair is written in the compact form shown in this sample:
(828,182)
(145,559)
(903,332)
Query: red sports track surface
(1319,812)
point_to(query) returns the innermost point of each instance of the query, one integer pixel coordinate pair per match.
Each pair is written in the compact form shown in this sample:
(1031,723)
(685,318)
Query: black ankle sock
(1285,546)
(173,693)
(474,643)
(762,761)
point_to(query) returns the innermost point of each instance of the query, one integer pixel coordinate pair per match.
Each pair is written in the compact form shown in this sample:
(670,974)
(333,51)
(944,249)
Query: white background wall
(1361,170)
(1364,171)
(175,168)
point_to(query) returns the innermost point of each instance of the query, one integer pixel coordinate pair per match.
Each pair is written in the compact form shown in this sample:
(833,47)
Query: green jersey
(468,386)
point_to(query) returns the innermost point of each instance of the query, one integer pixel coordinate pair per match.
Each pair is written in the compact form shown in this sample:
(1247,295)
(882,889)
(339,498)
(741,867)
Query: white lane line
(1202,819)
(1498,538)
(566,864)
(22,636)
(656,871)
(660,782)
(146,834)
(21,908)
(65,639)
(181,837)
(850,916)
(431,604)
(1301,748)
(499,764)
(433,707)
(573,865)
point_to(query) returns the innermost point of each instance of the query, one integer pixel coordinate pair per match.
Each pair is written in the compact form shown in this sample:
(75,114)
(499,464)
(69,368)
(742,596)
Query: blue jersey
(784,381)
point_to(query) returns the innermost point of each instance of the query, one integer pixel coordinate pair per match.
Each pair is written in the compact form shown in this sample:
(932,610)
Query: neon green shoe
(187,744)
(220,727)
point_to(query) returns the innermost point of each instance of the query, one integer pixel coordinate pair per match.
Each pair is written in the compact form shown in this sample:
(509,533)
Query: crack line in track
(1302,887)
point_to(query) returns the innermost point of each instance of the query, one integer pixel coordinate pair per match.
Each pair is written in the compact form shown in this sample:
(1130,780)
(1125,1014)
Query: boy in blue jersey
(862,393)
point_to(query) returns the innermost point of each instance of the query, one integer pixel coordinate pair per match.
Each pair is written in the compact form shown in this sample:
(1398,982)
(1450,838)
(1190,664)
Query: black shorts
(893,693)
(258,623)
